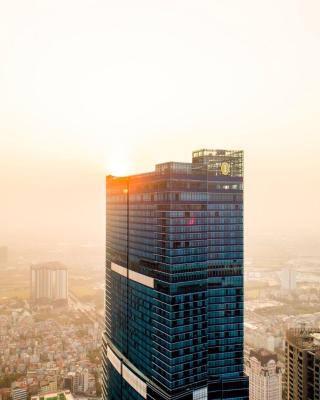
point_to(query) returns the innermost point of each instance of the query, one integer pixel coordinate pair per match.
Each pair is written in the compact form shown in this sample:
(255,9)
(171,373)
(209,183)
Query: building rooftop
(53,265)
(304,338)
(263,355)
(216,162)
(63,395)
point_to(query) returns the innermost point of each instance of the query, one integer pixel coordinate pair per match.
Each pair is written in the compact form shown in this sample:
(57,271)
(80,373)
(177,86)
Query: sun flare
(117,165)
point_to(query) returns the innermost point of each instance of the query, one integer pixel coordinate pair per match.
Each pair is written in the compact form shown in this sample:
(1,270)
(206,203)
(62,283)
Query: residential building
(19,393)
(48,385)
(174,281)
(48,352)
(68,381)
(288,279)
(81,381)
(265,376)
(49,282)
(302,364)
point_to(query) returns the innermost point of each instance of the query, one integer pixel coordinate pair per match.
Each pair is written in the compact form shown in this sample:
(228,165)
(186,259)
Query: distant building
(257,337)
(288,279)
(77,381)
(302,364)
(48,385)
(68,381)
(49,282)
(62,395)
(19,394)
(5,394)
(81,381)
(3,255)
(265,377)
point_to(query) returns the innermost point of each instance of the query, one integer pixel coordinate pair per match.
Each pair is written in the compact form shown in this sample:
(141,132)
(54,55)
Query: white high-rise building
(81,381)
(287,278)
(265,376)
(49,281)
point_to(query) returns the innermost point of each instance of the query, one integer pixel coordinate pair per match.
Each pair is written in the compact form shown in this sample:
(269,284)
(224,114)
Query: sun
(117,165)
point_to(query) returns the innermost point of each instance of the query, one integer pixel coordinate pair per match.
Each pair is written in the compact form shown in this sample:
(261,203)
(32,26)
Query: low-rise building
(63,395)
(19,393)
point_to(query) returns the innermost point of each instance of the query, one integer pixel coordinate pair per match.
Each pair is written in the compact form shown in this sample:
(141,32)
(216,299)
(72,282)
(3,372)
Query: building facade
(81,381)
(174,281)
(265,376)
(19,394)
(49,282)
(48,385)
(302,364)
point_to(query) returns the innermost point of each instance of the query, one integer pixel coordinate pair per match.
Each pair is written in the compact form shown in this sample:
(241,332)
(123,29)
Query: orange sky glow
(95,87)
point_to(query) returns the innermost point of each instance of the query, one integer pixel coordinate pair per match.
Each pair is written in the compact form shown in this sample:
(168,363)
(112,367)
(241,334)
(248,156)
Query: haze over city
(112,87)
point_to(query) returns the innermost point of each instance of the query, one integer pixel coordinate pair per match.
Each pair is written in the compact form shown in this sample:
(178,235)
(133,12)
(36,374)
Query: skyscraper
(49,282)
(174,281)
(265,376)
(302,364)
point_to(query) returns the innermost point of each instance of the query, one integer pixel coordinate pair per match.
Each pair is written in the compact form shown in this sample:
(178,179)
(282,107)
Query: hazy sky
(97,86)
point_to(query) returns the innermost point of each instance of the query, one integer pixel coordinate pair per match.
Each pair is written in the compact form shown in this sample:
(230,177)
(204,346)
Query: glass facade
(174,281)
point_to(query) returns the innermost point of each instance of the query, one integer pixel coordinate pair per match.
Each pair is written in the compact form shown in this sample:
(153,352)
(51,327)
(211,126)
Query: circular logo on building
(225,168)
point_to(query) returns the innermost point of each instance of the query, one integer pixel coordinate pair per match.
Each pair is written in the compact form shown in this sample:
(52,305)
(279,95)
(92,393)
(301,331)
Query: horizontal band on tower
(130,377)
(133,275)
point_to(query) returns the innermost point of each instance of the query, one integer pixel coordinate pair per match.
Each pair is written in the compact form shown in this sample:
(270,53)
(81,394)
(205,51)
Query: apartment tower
(302,364)
(49,282)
